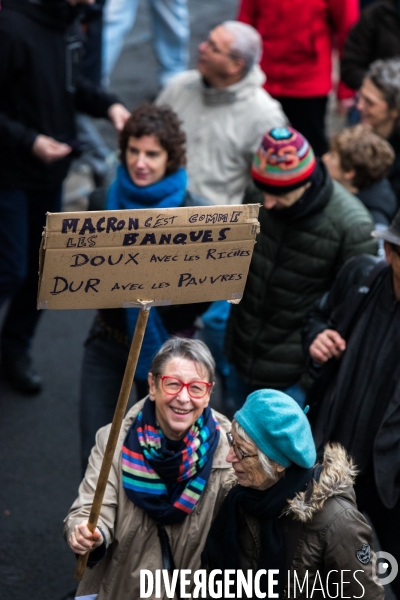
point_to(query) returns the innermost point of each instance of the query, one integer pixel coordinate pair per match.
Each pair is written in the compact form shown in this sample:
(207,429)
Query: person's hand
(118,115)
(82,540)
(48,149)
(326,345)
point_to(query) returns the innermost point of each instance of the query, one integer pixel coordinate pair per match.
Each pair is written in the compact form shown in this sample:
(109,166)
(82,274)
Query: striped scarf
(166,483)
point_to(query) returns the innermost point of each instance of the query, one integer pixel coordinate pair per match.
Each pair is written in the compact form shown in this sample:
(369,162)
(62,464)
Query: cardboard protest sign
(112,259)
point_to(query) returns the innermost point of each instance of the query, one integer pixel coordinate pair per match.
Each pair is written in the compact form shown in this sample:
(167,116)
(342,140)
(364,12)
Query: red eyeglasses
(173,385)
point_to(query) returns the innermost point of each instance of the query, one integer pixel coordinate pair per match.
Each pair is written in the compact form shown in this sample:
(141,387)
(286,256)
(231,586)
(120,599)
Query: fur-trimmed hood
(336,479)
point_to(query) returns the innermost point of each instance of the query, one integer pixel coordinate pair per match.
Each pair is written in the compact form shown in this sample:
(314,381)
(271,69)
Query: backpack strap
(168,561)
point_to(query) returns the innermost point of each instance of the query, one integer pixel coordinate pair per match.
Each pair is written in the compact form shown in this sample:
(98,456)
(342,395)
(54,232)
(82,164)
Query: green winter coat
(295,262)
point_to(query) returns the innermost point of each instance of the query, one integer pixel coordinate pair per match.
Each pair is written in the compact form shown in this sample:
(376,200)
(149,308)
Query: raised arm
(320,339)
(75,530)
(343,15)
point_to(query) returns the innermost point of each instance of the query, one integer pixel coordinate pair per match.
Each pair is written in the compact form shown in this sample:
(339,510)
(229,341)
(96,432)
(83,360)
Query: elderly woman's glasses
(173,385)
(240,455)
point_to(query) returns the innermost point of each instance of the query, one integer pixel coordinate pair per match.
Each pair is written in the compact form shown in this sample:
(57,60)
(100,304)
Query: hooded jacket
(41,90)
(335,537)
(380,199)
(294,263)
(297,41)
(132,536)
(376,35)
(223,129)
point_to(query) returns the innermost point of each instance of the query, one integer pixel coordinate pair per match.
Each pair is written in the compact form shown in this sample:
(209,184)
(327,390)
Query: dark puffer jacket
(294,263)
(376,35)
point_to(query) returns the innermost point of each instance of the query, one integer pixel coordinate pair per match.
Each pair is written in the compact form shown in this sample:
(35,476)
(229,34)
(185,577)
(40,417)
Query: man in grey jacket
(224,110)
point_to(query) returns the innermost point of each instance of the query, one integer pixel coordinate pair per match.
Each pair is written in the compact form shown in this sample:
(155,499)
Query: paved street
(39,441)
(39,436)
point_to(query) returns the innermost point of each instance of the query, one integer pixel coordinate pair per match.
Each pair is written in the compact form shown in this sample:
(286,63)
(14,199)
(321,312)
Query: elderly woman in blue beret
(288,513)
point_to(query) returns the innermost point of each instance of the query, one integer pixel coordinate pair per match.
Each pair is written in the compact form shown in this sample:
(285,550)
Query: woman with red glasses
(168,479)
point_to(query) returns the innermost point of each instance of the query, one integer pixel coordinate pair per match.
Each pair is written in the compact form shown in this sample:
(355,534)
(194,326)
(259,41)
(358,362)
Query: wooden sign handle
(115,429)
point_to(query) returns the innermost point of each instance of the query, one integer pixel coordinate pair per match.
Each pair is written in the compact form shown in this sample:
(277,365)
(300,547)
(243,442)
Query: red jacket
(297,41)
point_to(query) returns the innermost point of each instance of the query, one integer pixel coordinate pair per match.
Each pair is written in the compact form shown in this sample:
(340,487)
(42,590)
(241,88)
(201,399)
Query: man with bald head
(224,110)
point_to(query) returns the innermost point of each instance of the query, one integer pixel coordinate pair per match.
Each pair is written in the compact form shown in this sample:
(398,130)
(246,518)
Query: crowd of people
(318,325)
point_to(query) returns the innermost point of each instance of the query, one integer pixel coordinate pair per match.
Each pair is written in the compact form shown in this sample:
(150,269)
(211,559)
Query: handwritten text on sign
(116,258)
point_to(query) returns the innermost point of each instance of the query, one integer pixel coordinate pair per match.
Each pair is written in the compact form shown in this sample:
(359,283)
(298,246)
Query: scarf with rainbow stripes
(167,484)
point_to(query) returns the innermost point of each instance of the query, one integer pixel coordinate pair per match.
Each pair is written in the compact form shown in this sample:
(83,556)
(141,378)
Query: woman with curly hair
(151,175)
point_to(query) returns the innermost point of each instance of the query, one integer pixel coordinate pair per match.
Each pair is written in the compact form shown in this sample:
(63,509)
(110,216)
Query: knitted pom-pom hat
(278,426)
(284,161)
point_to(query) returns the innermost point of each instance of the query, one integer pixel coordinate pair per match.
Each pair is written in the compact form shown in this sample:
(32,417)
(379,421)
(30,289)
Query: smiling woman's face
(374,109)
(176,413)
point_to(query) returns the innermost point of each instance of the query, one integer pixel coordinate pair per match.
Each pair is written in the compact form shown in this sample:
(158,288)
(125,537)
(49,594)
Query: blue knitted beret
(278,426)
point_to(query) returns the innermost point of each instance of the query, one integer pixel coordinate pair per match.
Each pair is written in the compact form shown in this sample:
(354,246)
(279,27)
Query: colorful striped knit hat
(284,161)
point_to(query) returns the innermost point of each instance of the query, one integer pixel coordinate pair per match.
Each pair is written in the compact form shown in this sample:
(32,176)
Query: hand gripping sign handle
(115,430)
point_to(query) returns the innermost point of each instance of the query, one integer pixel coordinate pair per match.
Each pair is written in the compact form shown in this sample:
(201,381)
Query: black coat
(394,173)
(376,35)
(356,400)
(41,89)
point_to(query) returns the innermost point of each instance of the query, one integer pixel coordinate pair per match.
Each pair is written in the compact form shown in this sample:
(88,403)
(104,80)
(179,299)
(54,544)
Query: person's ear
(208,395)
(237,66)
(349,175)
(388,252)
(394,114)
(280,469)
(152,386)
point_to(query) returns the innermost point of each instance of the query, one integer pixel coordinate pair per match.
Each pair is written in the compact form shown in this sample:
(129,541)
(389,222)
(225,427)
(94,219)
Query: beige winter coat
(132,539)
(224,128)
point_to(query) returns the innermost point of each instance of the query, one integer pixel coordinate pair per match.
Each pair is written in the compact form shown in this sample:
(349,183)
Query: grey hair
(190,349)
(267,464)
(247,43)
(385,75)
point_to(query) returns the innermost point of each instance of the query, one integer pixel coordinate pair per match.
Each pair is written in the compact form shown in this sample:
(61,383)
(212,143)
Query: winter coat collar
(255,78)
(336,479)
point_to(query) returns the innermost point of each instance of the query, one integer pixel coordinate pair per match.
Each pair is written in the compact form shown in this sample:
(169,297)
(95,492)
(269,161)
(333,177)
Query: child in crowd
(360,160)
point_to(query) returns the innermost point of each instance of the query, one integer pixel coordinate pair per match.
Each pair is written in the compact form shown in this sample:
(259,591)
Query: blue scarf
(167,484)
(169,192)
(124,194)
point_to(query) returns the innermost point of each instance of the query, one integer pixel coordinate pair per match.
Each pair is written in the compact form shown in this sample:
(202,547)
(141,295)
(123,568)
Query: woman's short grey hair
(267,464)
(190,349)
(247,43)
(385,75)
